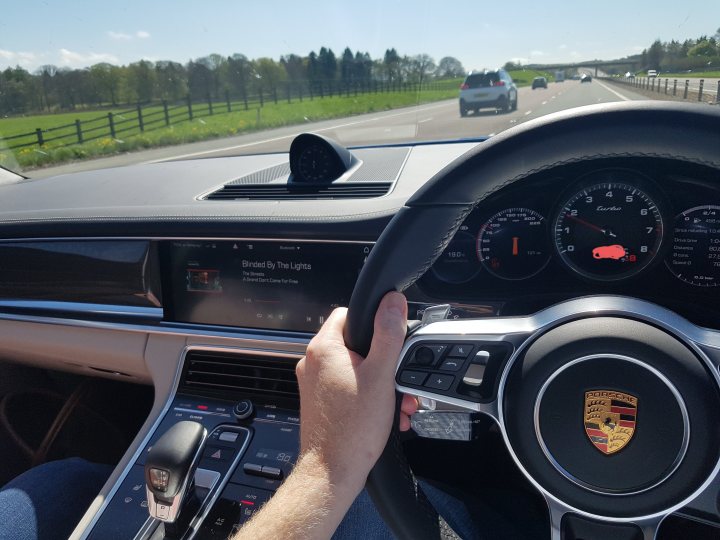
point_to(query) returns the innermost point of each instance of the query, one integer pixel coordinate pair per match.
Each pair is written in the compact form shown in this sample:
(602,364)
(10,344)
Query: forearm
(309,505)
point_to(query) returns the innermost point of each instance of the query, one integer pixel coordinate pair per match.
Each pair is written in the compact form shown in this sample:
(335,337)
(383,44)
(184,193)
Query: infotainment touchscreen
(286,285)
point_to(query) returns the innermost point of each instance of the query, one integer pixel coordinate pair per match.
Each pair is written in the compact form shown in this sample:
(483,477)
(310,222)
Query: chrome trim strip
(81,307)
(188,238)
(262,337)
(166,407)
(590,487)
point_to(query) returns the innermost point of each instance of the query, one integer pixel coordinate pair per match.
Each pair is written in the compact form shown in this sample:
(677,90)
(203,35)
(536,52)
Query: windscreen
(88,85)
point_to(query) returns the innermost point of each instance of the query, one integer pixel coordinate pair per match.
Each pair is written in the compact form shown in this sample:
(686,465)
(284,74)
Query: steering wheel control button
(428,355)
(462,350)
(424,356)
(413,377)
(452,364)
(439,382)
(228,436)
(243,409)
(482,357)
(474,375)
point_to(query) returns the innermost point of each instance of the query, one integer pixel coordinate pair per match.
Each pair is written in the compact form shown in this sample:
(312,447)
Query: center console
(253,426)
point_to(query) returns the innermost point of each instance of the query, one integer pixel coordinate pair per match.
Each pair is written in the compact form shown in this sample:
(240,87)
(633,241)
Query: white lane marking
(553,97)
(425,120)
(527,113)
(618,94)
(544,103)
(292,135)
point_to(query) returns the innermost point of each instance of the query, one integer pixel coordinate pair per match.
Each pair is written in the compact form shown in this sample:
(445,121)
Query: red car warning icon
(614,252)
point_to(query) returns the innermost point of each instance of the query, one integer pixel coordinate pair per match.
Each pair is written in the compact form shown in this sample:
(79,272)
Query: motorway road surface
(434,121)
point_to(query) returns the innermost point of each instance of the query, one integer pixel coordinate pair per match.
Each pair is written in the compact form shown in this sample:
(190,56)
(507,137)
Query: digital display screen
(266,284)
(271,454)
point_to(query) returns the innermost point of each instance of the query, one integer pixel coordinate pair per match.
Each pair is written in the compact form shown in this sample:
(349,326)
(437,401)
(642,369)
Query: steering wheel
(630,362)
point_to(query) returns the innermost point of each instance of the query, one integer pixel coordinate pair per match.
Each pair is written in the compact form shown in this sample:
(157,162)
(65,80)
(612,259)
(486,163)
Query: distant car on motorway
(629,75)
(539,82)
(652,73)
(485,89)
(585,78)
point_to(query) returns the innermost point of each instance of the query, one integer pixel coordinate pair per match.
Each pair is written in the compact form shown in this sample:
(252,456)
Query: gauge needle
(590,225)
(515,245)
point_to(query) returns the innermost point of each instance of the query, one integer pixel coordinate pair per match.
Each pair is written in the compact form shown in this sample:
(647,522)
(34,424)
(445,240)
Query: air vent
(278,192)
(234,374)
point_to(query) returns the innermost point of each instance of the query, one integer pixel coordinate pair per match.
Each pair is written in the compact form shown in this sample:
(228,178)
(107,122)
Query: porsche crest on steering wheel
(610,419)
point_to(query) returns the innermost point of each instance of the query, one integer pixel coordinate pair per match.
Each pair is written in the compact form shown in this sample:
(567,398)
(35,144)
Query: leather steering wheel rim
(421,230)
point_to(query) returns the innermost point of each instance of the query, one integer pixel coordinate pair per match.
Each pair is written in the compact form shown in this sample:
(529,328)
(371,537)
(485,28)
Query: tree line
(694,54)
(50,88)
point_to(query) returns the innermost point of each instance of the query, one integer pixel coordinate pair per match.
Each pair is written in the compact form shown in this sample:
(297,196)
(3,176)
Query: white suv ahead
(494,89)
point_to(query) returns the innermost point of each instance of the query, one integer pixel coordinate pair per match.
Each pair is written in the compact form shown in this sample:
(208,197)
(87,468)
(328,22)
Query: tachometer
(695,254)
(513,244)
(608,231)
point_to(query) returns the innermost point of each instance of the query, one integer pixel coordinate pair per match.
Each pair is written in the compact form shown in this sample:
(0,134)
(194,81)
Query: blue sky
(78,33)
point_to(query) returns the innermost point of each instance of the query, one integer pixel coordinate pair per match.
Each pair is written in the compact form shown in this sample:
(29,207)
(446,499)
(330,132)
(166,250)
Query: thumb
(389,332)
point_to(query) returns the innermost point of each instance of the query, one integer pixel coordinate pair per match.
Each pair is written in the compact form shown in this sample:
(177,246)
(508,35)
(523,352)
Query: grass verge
(203,126)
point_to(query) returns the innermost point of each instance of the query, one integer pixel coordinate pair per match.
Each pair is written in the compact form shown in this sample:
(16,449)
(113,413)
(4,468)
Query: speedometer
(695,254)
(608,231)
(512,244)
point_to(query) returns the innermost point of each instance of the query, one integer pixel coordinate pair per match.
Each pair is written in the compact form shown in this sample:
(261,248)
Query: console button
(243,409)
(461,350)
(272,472)
(452,364)
(229,436)
(412,377)
(439,382)
(218,453)
(253,469)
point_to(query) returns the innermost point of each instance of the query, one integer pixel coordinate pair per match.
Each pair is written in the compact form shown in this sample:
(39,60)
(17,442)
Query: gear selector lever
(170,469)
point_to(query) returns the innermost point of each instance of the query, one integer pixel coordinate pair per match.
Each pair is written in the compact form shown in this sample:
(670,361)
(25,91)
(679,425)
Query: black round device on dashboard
(315,159)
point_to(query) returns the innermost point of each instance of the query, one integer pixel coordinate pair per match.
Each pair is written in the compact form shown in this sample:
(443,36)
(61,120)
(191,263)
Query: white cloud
(76,60)
(119,36)
(562,47)
(19,58)
(123,36)
(575,54)
(534,54)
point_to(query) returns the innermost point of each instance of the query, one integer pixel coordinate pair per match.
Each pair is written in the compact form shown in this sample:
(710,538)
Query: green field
(524,77)
(203,126)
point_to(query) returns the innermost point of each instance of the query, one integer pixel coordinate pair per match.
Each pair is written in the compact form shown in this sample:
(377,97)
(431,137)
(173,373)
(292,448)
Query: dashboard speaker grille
(240,374)
(276,192)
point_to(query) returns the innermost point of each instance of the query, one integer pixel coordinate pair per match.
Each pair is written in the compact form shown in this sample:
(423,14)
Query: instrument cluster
(619,229)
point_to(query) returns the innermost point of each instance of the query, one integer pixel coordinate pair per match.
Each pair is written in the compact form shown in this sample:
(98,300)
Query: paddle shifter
(170,469)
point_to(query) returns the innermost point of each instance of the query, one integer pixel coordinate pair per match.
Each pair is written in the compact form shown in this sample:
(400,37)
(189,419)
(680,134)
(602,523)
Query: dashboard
(647,229)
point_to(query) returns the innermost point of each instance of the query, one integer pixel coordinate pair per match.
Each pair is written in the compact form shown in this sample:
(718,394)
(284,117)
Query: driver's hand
(347,402)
